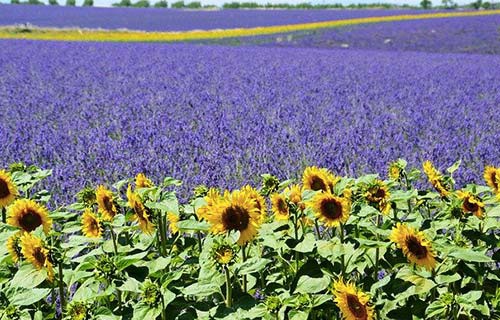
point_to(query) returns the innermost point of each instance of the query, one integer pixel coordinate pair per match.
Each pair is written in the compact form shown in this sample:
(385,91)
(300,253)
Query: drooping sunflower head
(14,246)
(223,254)
(414,244)
(294,193)
(8,190)
(317,179)
(78,310)
(352,302)
(471,203)
(280,207)
(212,198)
(395,171)
(87,196)
(91,227)
(140,213)
(259,202)
(172,222)
(106,203)
(29,215)
(492,178)
(141,181)
(151,294)
(329,209)
(435,178)
(378,194)
(33,250)
(235,211)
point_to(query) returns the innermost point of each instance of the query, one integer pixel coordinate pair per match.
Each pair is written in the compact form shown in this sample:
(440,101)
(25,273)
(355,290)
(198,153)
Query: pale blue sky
(107,3)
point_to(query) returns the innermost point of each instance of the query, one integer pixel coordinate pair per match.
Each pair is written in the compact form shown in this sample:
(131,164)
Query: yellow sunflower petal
(29,215)
(280,207)
(329,209)
(33,250)
(8,190)
(414,244)
(352,302)
(91,227)
(140,213)
(105,203)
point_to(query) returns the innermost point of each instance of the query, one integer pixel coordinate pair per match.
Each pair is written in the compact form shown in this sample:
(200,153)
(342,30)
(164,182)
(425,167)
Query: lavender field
(151,19)
(223,115)
(464,35)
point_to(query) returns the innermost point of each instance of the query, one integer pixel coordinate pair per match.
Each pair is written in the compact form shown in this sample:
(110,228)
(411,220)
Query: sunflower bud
(151,294)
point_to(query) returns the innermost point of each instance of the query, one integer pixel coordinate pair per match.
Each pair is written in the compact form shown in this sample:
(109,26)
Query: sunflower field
(324,247)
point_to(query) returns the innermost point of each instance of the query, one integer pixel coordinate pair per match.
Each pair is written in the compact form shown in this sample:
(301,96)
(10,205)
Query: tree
(70,3)
(14,2)
(53,2)
(426,4)
(88,3)
(161,4)
(141,4)
(123,3)
(194,5)
(178,4)
(486,5)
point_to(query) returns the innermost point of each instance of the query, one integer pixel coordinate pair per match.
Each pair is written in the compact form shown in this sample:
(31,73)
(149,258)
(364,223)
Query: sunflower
(14,246)
(141,181)
(106,203)
(34,251)
(29,215)
(330,209)
(394,171)
(316,179)
(471,203)
(140,213)
(378,194)
(8,190)
(294,193)
(224,255)
(91,227)
(435,178)
(172,222)
(259,201)
(352,302)
(212,198)
(492,178)
(235,211)
(414,244)
(280,207)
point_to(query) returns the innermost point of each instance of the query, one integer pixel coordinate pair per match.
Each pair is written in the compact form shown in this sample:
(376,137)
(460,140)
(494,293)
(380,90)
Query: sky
(107,3)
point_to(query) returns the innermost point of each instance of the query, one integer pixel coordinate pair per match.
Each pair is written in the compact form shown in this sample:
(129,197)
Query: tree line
(425,4)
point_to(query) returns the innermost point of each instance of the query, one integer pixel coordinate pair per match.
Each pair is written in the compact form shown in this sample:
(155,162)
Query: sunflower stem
(4,215)
(244,258)
(61,286)
(173,243)
(377,250)
(164,234)
(113,237)
(316,225)
(342,256)
(229,288)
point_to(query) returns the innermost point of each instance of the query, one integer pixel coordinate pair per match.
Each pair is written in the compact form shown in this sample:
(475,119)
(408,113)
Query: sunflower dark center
(30,220)
(235,218)
(317,184)
(108,204)
(356,307)
(415,247)
(94,225)
(331,209)
(282,205)
(379,194)
(469,206)
(493,178)
(39,256)
(4,189)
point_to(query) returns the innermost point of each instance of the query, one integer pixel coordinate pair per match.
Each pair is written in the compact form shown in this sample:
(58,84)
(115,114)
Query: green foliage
(70,3)
(161,4)
(15,2)
(287,271)
(178,5)
(53,3)
(194,5)
(88,3)
(426,4)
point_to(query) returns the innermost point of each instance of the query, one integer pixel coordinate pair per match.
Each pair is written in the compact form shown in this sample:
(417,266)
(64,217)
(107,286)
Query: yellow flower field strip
(141,36)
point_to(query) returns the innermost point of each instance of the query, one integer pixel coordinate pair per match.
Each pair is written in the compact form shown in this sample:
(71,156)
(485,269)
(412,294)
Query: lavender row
(461,35)
(152,19)
(97,112)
